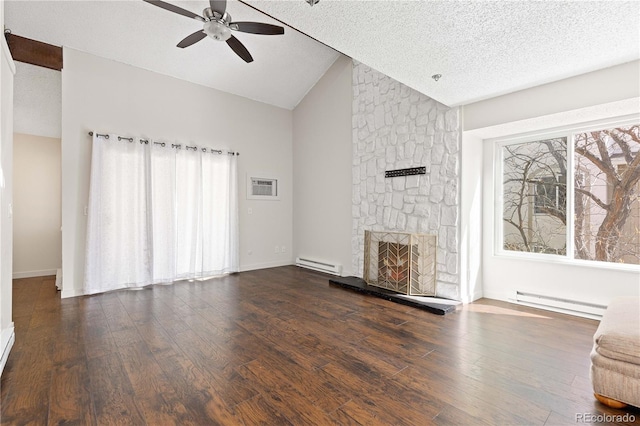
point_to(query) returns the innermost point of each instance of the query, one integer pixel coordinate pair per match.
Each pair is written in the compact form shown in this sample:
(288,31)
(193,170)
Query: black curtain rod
(145,141)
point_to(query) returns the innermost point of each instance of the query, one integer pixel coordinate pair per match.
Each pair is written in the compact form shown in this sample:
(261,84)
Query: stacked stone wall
(396,127)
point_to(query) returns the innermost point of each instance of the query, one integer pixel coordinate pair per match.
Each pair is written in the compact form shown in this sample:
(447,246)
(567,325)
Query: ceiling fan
(218,25)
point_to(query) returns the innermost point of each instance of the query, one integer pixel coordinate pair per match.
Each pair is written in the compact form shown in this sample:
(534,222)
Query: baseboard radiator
(316,265)
(574,307)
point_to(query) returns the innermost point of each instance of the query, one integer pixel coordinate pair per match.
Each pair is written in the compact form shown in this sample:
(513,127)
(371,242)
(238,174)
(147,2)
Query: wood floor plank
(438,366)
(154,394)
(202,398)
(155,336)
(257,411)
(317,391)
(31,383)
(354,413)
(283,396)
(451,415)
(69,398)
(232,388)
(386,399)
(113,396)
(282,346)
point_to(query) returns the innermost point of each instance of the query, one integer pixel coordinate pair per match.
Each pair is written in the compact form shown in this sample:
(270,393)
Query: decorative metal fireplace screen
(405,263)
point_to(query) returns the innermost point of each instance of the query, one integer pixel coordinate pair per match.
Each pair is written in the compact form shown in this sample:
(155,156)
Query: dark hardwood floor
(280,346)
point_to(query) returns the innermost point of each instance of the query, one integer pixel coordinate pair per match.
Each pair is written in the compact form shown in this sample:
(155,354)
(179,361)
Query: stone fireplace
(395,127)
(401,262)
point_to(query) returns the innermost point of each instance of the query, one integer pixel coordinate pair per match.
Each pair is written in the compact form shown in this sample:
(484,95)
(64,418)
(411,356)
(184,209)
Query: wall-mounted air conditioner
(260,188)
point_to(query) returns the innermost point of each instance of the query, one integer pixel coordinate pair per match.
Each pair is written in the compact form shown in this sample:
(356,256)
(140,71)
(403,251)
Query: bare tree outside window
(607,209)
(534,196)
(606,192)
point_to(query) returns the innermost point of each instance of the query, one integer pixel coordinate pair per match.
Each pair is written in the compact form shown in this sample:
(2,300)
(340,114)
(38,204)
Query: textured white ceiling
(285,67)
(482,48)
(37,101)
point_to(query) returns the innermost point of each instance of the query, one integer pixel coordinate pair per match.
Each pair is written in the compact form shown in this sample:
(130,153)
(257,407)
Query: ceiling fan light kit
(218,25)
(217,31)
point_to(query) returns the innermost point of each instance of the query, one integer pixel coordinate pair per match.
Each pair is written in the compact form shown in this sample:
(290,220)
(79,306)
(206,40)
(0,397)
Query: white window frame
(497,196)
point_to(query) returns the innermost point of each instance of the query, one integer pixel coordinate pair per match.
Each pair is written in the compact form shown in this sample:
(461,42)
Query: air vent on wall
(262,188)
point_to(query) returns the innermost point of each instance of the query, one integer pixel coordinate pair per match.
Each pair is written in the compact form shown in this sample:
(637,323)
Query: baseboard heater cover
(317,265)
(568,305)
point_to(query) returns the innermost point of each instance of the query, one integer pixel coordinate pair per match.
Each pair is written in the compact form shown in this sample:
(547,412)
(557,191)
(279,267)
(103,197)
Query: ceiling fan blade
(175,9)
(219,6)
(192,38)
(239,48)
(257,28)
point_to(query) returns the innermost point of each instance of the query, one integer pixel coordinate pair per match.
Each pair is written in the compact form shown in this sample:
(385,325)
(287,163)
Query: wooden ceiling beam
(34,52)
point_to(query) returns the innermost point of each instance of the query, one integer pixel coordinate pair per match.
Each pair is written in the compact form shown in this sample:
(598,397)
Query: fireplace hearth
(401,262)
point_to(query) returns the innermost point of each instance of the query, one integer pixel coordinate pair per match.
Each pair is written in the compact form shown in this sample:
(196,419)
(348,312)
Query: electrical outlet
(283,249)
(276,250)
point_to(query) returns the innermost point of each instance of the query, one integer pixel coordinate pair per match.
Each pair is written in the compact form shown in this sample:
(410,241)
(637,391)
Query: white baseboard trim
(266,265)
(7,337)
(74,292)
(31,274)
(59,279)
(510,298)
(478,294)
(559,310)
(505,296)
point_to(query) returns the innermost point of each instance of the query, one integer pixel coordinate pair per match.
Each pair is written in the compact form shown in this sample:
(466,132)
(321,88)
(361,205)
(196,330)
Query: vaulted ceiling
(285,66)
(480,49)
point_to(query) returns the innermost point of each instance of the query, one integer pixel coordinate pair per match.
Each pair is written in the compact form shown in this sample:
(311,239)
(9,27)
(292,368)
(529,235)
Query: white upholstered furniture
(615,358)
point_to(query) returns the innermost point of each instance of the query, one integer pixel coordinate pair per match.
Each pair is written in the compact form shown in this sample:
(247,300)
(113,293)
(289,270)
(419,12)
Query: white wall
(37,240)
(471,287)
(322,169)
(587,90)
(106,96)
(37,123)
(568,102)
(7,71)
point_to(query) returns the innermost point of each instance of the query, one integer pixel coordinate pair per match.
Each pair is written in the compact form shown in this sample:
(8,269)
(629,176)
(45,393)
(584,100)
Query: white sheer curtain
(159,214)
(220,218)
(163,211)
(118,240)
(188,214)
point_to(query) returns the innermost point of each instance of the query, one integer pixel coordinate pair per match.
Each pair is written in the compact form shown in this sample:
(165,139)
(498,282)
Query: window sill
(562,260)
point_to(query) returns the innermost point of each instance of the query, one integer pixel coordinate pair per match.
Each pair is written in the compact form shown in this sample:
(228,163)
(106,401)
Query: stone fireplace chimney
(396,127)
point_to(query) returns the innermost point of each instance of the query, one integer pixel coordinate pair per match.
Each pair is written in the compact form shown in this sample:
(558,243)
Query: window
(600,184)
(607,212)
(534,202)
